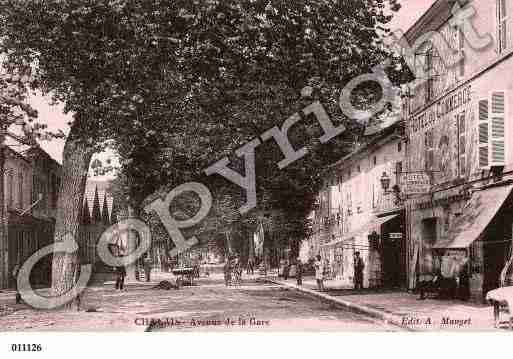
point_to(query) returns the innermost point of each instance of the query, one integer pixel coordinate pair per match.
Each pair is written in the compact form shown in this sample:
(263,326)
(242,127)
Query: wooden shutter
(462,144)
(502,25)
(497,127)
(483,134)
(428,145)
(461,48)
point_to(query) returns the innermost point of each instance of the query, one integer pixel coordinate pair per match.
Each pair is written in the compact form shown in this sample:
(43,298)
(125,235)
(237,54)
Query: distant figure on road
(358,271)
(120,277)
(251,266)
(286,269)
(227,272)
(299,272)
(319,273)
(147,267)
(15,272)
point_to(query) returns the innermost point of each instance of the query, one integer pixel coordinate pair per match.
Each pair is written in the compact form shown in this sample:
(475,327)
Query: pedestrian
(227,273)
(286,270)
(120,277)
(319,273)
(299,272)
(15,272)
(78,299)
(147,267)
(358,271)
(251,266)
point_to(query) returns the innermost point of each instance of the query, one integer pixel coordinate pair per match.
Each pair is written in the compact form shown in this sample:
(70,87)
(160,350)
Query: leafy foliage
(173,86)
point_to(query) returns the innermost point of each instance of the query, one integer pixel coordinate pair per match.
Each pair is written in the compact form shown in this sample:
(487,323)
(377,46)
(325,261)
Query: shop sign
(444,201)
(441,108)
(395,235)
(415,183)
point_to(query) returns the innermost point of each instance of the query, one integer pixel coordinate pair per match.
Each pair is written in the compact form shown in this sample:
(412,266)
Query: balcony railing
(386,203)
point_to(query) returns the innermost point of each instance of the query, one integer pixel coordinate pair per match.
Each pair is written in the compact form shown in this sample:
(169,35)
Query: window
(398,171)
(483,133)
(496,128)
(429,73)
(492,151)
(502,37)
(460,124)
(429,151)
(10,189)
(20,190)
(461,48)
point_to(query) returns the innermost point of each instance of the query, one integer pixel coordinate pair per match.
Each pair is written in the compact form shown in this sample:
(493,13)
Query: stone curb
(374,313)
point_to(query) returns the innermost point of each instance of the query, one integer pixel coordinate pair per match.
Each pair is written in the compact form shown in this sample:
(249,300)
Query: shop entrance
(393,253)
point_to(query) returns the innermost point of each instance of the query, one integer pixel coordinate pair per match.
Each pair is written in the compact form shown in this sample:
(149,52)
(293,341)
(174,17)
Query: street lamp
(385,182)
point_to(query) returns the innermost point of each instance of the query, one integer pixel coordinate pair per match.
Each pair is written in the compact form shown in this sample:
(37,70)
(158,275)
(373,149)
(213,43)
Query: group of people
(299,270)
(450,279)
(232,271)
(322,270)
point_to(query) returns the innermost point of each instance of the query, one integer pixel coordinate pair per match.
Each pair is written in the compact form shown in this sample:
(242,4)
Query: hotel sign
(415,183)
(441,108)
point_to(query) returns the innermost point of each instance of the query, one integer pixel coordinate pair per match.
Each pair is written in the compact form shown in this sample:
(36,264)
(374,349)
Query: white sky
(53,116)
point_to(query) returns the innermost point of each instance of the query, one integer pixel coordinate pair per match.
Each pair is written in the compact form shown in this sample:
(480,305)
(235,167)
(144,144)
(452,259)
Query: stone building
(31,182)
(355,214)
(460,142)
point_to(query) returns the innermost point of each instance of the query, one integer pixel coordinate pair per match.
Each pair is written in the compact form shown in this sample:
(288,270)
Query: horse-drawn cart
(185,275)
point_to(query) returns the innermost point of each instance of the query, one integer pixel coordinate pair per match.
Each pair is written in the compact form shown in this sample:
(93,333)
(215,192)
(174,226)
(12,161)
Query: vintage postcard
(256,166)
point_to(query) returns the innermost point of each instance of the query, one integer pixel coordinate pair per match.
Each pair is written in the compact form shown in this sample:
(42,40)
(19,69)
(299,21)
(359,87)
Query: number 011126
(26,347)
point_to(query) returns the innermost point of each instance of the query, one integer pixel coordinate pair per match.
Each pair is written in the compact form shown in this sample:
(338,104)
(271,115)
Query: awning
(371,225)
(476,216)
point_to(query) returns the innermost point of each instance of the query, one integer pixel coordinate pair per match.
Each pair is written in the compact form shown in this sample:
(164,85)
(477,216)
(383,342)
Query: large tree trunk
(76,158)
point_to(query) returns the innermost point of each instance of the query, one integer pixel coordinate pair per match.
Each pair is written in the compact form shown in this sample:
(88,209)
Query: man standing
(120,278)
(251,265)
(358,271)
(319,273)
(147,267)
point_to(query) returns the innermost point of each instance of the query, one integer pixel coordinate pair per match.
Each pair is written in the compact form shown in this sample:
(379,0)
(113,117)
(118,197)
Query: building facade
(460,140)
(355,214)
(31,179)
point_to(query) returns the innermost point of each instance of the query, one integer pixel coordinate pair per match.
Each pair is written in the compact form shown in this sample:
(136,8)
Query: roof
(375,138)
(100,189)
(438,14)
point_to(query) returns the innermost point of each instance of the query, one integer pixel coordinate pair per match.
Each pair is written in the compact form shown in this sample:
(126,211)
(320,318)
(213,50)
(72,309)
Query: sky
(54,117)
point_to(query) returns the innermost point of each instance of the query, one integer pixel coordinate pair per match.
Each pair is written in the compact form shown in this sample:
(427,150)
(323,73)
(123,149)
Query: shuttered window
(462,142)
(502,37)
(483,134)
(428,145)
(497,154)
(20,190)
(461,47)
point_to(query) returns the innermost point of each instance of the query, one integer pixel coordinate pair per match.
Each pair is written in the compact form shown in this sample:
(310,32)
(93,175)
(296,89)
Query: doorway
(393,253)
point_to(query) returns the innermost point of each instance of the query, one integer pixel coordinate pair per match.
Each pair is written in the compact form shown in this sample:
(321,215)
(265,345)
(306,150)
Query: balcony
(385,203)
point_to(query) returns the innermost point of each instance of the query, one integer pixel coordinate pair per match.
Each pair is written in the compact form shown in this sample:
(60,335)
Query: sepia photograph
(255,166)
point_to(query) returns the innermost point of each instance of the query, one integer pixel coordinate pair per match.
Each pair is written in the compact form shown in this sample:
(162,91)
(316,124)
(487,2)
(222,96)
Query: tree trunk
(76,158)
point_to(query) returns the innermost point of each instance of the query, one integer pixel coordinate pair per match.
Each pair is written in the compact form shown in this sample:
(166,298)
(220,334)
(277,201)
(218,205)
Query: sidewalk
(403,309)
